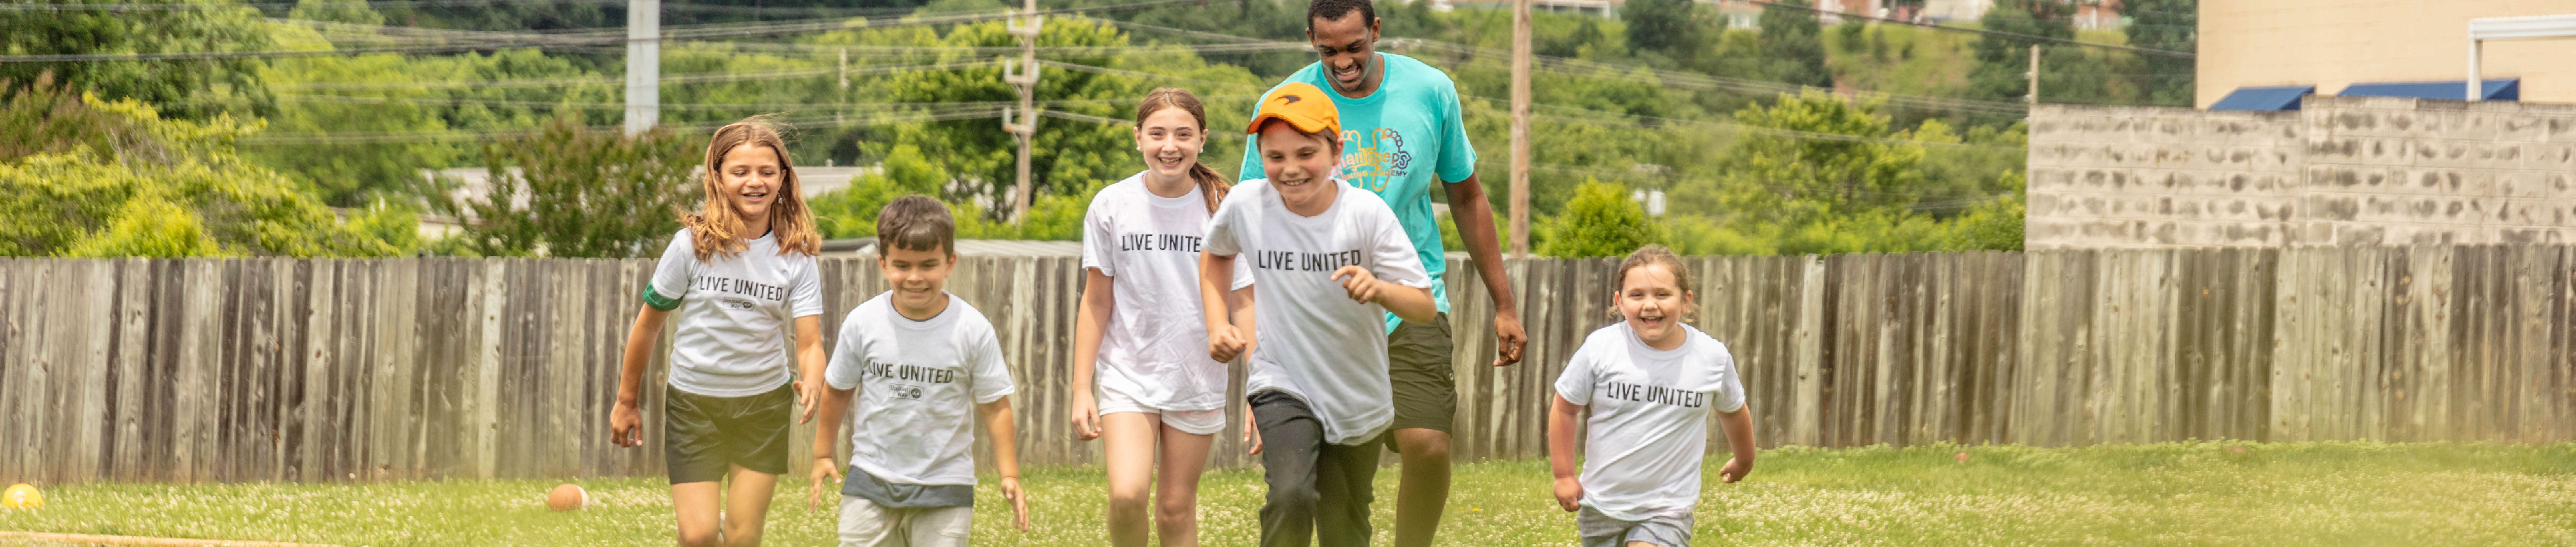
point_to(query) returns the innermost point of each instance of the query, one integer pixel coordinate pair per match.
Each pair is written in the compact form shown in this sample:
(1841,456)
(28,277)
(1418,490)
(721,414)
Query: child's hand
(823,470)
(1251,431)
(1224,343)
(1019,500)
(626,426)
(1568,491)
(1086,416)
(1361,284)
(1734,470)
(807,391)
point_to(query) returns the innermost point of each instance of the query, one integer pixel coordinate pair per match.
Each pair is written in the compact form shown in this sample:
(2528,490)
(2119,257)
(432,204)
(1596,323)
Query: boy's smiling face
(918,278)
(1300,166)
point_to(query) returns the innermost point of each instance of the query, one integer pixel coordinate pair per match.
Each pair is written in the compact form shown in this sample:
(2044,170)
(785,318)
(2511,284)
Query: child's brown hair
(916,223)
(1652,254)
(1211,185)
(714,229)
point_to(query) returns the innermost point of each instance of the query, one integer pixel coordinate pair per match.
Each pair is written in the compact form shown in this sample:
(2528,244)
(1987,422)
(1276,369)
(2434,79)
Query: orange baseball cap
(1302,106)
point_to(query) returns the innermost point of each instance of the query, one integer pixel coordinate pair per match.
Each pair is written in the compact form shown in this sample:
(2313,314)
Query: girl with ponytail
(1140,332)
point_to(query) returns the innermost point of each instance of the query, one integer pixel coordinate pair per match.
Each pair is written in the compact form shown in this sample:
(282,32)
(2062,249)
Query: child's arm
(1090,320)
(1739,439)
(1561,417)
(809,361)
(1241,309)
(1216,274)
(1006,454)
(835,407)
(625,423)
(1411,303)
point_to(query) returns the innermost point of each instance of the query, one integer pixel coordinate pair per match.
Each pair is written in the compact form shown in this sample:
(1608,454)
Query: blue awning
(2284,97)
(2501,89)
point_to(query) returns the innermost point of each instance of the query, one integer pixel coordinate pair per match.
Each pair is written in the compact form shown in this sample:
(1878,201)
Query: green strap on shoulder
(655,299)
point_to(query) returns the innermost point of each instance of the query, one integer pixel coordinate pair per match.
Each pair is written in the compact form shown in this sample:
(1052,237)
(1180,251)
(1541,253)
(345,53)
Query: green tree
(1601,220)
(127,181)
(191,89)
(1663,25)
(1792,46)
(573,191)
(852,211)
(2003,61)
(2171,25)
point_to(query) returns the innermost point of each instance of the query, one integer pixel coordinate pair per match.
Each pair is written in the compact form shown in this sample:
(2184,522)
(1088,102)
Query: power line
(384,137)
(2013,35)
(713,77)
(594,37)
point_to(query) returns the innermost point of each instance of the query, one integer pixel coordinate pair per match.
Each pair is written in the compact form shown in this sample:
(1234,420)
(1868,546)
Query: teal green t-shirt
(1396,142)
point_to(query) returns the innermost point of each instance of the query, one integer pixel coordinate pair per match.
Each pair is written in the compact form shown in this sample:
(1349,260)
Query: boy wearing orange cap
(1328,262)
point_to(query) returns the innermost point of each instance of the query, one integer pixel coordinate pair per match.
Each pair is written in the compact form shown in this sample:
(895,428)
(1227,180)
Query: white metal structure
(643,65)
(2510,28)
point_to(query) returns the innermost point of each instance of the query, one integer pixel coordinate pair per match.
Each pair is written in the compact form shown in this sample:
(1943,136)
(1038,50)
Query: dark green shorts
(1418,364)
(702,436)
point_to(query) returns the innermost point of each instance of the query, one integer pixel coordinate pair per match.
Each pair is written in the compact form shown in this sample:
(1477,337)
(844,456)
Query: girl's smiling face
(1171,140)
(1652,301)
(1300,166)
(751,177)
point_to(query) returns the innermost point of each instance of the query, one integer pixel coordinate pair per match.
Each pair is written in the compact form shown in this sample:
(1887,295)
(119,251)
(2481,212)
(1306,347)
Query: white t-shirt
(731,340)
(1649,426)
(1312,341)
(1154,349)
(912,421)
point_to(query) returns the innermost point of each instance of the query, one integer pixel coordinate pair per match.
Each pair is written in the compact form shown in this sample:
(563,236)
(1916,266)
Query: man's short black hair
(1333,10)
(916,223)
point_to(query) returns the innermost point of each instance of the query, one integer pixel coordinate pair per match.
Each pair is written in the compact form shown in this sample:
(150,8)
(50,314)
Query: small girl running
(1650,382)
(737,272)
(1138,335)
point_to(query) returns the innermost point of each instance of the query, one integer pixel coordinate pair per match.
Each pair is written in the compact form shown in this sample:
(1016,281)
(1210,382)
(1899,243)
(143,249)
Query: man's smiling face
(1348,46)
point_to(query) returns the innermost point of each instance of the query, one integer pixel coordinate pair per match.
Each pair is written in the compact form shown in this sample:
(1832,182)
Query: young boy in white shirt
(924,358)
(1651,383)
(1327,262)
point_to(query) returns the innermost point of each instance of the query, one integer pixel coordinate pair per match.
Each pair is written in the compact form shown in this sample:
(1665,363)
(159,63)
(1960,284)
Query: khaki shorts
(1418,366)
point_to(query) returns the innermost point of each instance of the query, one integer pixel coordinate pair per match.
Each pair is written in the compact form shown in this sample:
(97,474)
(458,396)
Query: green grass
(2167,494)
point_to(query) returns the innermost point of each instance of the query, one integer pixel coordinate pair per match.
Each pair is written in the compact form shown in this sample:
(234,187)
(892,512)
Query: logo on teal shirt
(1371,160)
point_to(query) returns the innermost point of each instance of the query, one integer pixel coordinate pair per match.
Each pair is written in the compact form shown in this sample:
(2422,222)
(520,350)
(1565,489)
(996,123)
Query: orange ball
(567,497)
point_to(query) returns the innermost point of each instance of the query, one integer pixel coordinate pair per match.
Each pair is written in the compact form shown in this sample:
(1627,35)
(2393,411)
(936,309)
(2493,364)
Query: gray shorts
(1599,530)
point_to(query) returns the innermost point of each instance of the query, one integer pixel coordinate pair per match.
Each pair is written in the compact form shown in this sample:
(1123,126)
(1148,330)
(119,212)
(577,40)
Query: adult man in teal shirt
(1402,128)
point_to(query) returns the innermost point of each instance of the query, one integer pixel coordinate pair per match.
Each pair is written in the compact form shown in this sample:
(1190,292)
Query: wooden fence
(334,370)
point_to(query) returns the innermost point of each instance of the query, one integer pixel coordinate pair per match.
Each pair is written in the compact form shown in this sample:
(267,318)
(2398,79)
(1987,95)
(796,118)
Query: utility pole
(844,99)
(2033,75)
(1025,79)
(643,65)
(1520,127)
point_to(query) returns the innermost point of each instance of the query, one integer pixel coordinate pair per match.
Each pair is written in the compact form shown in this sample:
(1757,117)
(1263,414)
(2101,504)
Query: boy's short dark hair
(1333,10)
(916,223)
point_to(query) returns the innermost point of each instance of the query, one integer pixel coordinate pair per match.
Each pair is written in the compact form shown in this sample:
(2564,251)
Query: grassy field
(2170,494)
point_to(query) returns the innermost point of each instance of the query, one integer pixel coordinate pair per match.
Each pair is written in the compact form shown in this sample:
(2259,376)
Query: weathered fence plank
(328,370)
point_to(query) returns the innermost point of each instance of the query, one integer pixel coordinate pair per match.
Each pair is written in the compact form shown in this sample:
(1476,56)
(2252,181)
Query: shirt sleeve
(1575,383)
(992,376)
(843,369)
(1251,157)
(1222,228)
(805,292)
(1096,239)
(1457,154)
(672,276)
(1395,258)
(1242,274)
(1730,387)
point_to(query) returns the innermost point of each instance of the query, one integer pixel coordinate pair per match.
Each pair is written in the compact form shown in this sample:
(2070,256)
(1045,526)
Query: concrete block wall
(2144,177)
(2341,171)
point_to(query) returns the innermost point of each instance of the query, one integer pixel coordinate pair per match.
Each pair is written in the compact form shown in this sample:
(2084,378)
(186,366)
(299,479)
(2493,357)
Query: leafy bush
(573,191)
(1600,221)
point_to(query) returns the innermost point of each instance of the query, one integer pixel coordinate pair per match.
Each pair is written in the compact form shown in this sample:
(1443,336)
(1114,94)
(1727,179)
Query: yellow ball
(22,496)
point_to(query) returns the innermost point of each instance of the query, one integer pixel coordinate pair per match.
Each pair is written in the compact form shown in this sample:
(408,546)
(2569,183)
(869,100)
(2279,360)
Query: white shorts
(866,524)
(1194,422)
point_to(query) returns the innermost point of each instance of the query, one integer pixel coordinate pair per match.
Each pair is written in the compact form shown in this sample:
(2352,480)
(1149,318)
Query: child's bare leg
(695,504)
(747,505)
(1128,438)
(1422,492)
(1176,492)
